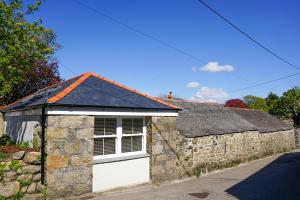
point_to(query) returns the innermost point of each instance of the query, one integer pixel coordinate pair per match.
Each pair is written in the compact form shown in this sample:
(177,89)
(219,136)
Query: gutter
(43,154)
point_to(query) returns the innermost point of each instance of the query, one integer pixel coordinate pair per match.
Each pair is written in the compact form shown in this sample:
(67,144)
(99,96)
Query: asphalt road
(275,178)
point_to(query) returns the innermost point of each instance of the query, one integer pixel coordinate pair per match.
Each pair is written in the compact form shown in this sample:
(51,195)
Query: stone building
(96,135)
(93,133)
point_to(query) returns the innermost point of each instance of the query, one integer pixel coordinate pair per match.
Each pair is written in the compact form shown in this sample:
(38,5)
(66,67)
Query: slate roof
(264,121)
(90,89)
(201,119)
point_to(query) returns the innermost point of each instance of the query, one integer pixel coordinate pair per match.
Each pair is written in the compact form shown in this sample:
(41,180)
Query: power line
(264,83)
(131,28)
(248,36)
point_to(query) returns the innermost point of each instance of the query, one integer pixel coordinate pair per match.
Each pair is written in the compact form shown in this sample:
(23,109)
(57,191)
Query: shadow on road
(279,180)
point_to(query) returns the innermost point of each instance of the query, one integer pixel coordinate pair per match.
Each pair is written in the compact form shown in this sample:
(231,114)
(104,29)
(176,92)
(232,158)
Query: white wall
(111,175)
(20,127)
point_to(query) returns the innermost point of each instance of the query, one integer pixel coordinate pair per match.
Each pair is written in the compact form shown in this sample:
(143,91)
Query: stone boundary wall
(69,159)
(20,176)
(174,156)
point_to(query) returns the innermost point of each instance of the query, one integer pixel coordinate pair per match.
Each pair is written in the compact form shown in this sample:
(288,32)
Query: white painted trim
(110,113)
(118,137)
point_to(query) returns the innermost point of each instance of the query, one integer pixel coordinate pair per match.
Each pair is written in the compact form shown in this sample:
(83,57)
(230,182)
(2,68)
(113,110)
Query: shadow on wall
(172,148)
(278,180)
(21,128)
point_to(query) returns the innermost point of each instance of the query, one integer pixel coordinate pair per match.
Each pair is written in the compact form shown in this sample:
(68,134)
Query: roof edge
(11,104)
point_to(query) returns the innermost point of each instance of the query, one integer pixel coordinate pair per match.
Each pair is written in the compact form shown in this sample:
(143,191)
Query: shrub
(237,103)
(6,140)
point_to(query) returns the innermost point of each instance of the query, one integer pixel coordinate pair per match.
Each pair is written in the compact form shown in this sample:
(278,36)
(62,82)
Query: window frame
(118,137)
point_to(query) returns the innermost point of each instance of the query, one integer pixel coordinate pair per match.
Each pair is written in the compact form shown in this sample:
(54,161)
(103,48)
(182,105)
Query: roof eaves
(30,95)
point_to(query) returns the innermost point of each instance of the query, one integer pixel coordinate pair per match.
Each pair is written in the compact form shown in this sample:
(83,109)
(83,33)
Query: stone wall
(165,160)
(20,176)
(69,160)
(174,157)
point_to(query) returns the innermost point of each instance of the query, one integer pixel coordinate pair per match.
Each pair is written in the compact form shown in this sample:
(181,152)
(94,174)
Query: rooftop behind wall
(202,119)
(264,121)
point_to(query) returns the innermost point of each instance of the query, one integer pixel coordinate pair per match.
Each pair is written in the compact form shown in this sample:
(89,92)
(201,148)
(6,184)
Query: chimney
(170,95)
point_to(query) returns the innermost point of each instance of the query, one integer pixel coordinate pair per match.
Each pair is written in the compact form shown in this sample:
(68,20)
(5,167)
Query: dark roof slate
(91,90)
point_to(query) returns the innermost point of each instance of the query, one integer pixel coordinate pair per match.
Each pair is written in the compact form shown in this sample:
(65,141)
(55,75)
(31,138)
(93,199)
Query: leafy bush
(6,140)
(237,103)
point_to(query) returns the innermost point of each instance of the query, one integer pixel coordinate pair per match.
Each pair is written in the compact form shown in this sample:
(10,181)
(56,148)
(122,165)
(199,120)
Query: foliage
(5,140)
(2,171)
(272,100)
(256,103)
(23,144)
(24,183)
(237,103)
(42,75)
(17,196)
(2,156)
(15,165)
(23,44)
(288,105)
(45,193)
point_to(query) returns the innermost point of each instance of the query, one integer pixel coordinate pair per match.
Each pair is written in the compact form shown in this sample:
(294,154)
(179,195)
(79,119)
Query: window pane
(98,146)
(126,144)
(109,146)
(137,126)
(99,126)
(110,126)
(137,143)
(127,126)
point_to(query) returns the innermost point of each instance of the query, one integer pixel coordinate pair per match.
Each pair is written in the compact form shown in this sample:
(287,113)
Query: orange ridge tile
(69,89)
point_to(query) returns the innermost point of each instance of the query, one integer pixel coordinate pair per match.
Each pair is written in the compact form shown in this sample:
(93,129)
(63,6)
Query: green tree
(272,101)
(257,103)
(22,43)
(288,105)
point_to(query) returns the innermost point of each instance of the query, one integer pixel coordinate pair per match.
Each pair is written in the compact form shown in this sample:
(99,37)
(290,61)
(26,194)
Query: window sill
(117,159)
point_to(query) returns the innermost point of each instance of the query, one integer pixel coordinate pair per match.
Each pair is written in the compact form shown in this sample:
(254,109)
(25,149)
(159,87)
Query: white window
(115,137)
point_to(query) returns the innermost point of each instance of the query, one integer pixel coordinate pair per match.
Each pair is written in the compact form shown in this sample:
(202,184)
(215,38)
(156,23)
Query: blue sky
(91,42)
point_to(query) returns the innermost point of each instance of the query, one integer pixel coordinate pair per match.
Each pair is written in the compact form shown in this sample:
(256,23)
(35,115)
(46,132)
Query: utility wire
(248,36)
(164,43)
(151,37)
(264,83)
(140,32)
